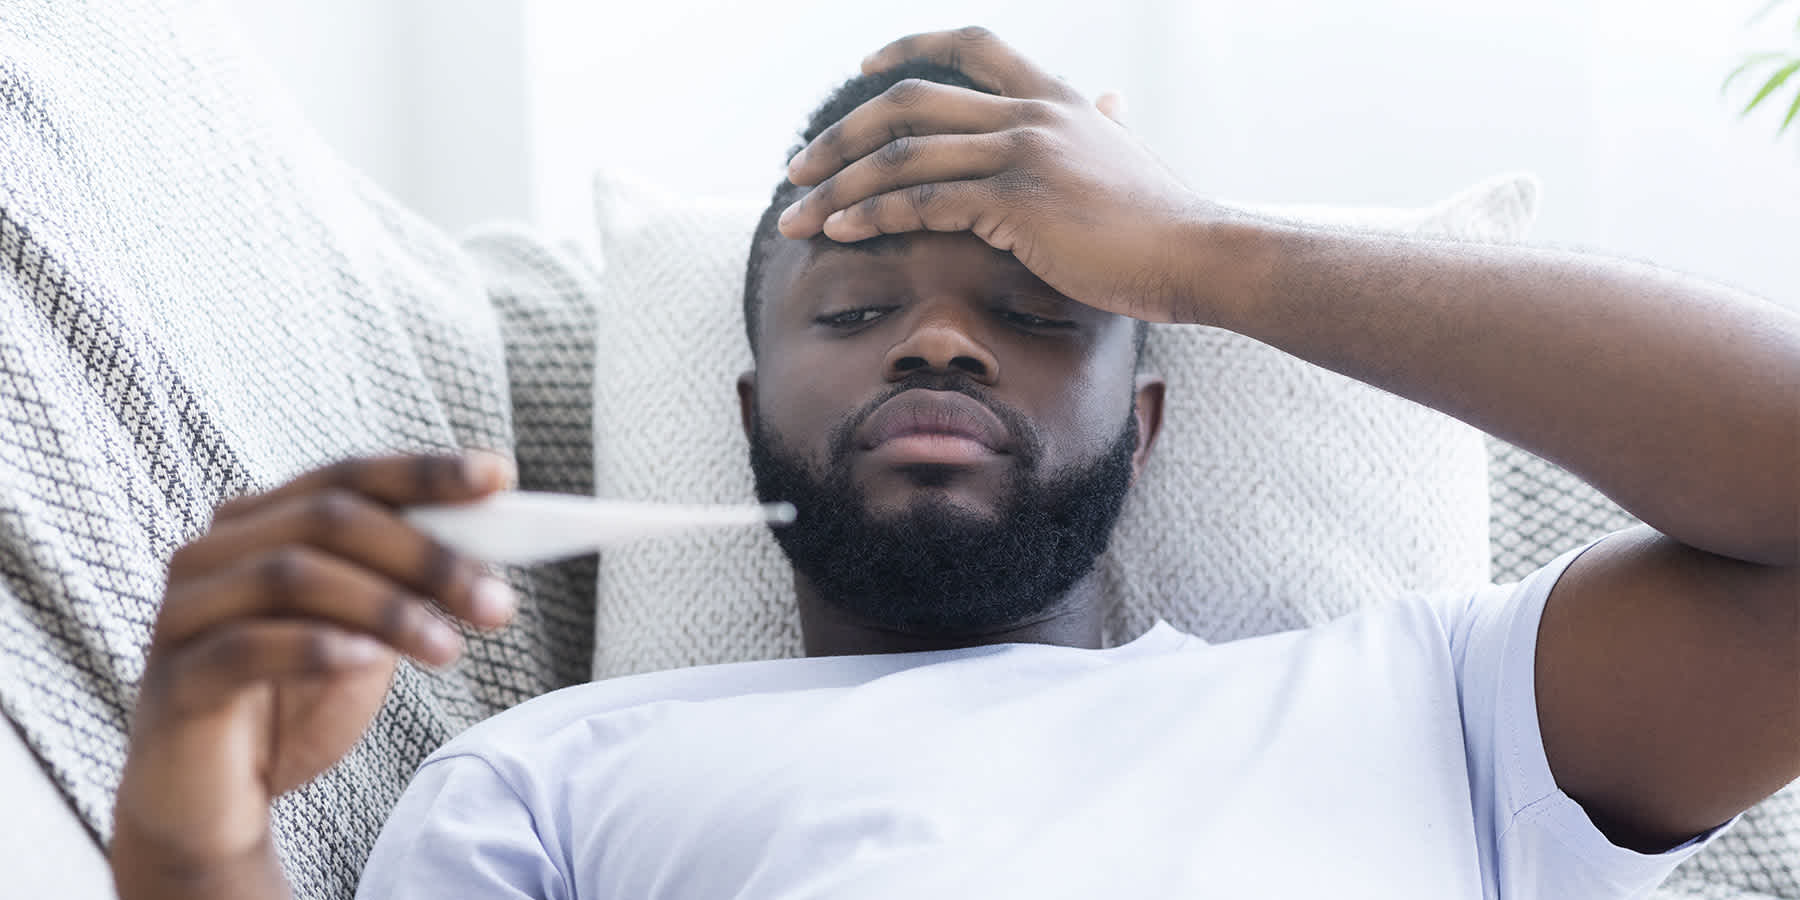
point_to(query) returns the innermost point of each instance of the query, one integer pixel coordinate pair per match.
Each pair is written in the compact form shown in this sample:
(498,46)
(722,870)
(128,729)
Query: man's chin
(920,494)
(933,509)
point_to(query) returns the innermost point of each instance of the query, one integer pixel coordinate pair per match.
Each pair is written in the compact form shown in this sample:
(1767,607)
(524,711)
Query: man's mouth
(923,426)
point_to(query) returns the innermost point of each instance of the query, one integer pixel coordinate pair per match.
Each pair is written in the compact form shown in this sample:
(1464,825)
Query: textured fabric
(1538,510)
(197,301)
(985,772)
(1268,504)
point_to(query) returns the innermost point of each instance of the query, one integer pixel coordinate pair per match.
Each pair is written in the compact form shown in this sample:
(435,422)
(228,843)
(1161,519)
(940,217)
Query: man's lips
(934,426)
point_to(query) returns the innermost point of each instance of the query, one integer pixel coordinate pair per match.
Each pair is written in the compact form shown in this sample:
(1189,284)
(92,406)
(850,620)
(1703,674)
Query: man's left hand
(1036,170)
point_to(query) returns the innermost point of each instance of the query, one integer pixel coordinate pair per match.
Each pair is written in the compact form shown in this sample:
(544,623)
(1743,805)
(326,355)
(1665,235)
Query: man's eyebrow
(821,248)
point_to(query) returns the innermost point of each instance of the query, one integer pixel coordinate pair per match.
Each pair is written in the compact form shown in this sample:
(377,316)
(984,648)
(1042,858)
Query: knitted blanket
(197,300)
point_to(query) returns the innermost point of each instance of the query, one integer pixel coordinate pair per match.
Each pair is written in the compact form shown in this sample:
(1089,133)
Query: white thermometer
(525,527)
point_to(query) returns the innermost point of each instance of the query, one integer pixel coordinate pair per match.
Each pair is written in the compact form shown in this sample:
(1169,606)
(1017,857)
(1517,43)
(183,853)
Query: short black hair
(848,96)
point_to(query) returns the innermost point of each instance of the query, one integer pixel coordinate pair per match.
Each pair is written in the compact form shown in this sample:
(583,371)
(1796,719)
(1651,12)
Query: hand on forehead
(1032,169)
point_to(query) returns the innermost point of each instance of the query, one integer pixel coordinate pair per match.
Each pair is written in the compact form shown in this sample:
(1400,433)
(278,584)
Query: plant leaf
(1754,59)
(1792,112)
(1774,84)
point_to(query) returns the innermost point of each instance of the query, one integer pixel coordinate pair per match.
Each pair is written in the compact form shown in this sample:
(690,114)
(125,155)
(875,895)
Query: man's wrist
(142,870)
(1226,261)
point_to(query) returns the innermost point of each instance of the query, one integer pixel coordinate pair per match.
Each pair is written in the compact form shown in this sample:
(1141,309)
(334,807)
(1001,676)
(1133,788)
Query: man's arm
(1669,660)
(1668,663)
(1677,398)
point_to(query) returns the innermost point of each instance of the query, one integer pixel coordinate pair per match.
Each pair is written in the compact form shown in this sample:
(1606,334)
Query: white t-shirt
(1391,754)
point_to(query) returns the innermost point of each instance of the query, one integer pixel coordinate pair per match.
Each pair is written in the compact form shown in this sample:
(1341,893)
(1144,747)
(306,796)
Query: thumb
(1112,105)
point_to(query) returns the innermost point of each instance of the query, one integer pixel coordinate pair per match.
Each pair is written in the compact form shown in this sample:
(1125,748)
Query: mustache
(841,442)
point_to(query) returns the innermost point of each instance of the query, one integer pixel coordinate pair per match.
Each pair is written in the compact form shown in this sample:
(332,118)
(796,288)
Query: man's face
(951,421)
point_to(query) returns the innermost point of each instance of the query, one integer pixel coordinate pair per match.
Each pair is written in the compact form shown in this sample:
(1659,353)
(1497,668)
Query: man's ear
(1149,413)
(746,385)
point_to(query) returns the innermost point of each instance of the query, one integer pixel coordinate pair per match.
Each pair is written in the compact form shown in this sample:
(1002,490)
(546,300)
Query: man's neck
(1073,621)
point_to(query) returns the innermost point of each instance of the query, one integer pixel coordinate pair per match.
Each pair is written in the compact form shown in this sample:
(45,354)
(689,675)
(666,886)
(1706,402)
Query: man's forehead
(821,249)
(793,260)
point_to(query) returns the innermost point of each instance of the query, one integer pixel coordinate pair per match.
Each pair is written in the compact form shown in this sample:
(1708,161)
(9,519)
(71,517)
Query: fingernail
(483,467)
(360,650)
(788,213)
(835,219)
(441,641)
(492,602)
(795,163)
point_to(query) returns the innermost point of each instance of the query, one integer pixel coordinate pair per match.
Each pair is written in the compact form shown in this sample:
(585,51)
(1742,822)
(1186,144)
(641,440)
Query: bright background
(476,110)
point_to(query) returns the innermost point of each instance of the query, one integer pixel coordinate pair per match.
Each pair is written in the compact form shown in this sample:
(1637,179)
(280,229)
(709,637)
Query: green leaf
(1792,112)
(1774,84)
(1754,59)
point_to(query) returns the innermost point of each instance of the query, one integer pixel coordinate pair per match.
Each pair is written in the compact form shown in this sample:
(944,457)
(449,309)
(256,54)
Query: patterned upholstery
(197,299)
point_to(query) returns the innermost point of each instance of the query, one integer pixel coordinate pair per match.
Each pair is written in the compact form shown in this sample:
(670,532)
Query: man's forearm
(1678,398)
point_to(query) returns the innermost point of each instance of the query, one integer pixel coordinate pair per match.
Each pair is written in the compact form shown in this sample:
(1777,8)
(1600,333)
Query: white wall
(336,59)
(426,96)
(478,109)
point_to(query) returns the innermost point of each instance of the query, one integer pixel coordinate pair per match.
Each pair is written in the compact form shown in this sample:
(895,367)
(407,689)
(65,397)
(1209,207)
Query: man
(957,412)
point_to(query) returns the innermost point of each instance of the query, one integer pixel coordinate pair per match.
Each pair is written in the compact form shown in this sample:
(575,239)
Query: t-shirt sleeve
(1536,842)
(461,831)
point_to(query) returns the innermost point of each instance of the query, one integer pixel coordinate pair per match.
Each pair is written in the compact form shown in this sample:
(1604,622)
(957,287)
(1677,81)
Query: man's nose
(943,342)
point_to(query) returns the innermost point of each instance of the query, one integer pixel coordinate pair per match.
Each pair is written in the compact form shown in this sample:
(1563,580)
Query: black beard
(938,570)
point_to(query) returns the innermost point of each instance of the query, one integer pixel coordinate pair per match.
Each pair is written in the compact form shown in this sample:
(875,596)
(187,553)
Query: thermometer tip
(781,513)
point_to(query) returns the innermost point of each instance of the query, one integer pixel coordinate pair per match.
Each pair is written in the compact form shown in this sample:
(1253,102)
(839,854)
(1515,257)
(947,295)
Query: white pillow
(1280,495)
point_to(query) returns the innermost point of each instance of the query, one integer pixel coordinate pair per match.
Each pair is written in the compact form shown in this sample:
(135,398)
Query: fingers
(361,532)
(300,583)
(394,480)
(976,52)
(910,107)
(329,546)
(217,666)
(901,163)
(937,206)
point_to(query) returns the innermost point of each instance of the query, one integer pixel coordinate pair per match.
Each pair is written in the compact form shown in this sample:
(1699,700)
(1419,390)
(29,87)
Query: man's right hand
(276,642)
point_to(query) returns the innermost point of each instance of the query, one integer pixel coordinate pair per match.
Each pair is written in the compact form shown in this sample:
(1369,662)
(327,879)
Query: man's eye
(851,318)
(1027,320)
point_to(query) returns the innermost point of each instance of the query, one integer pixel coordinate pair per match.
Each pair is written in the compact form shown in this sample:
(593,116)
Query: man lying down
(946,322)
